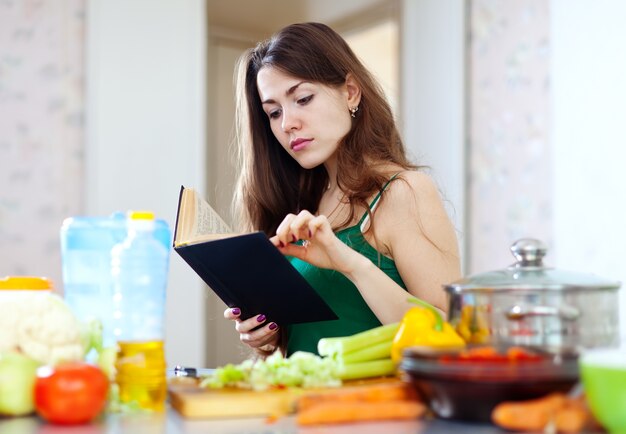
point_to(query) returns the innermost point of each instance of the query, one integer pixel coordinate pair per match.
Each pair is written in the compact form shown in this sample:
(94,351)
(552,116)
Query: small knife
(182,371)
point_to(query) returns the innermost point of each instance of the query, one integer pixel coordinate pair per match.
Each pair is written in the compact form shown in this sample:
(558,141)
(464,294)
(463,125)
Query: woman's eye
(305,100)
(274,114)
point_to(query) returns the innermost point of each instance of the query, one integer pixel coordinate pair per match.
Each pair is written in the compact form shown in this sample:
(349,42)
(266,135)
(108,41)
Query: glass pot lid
(529,273)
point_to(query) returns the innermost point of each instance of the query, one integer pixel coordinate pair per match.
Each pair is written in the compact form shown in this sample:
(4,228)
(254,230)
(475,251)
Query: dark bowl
(457,384)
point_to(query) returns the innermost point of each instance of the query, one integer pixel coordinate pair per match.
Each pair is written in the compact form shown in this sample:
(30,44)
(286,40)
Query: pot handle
(518,313)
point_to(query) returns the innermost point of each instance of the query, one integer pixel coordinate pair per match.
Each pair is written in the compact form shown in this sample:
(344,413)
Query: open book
(244,270)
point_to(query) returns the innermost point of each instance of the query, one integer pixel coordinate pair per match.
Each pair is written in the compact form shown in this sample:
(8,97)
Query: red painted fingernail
(294,238)
(273,326)
(235,311)
(281,244)
(310,233)
(260,318)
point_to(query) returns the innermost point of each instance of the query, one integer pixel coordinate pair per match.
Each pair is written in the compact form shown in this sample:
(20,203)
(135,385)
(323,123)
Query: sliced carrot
(521,354)
(330,412)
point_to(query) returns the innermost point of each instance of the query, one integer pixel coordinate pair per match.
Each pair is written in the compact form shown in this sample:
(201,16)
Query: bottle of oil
(139,268)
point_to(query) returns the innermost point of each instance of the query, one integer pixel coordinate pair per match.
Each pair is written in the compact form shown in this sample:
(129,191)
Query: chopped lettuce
(302,369)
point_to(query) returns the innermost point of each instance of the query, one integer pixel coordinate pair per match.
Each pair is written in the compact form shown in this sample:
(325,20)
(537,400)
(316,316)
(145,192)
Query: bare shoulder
(415,228)
(413,201)
(413,185)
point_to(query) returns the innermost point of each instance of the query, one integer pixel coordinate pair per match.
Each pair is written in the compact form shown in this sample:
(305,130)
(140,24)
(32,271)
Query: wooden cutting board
(194,402)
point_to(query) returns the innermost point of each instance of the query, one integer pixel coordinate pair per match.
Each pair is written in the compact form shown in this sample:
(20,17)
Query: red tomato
(70,393)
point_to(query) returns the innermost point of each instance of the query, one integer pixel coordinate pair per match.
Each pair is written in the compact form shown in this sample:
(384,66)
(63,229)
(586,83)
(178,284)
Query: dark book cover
(247,271)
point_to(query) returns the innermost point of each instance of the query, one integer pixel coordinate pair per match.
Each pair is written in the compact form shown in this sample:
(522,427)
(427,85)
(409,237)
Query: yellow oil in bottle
(140,374)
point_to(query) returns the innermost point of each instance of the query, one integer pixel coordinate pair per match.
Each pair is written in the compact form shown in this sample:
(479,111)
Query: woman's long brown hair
(271,183)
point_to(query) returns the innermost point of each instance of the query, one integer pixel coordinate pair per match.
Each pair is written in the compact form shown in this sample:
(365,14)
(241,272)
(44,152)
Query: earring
(353,110)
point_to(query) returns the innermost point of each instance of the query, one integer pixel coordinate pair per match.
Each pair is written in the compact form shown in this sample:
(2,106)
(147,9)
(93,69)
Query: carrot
(354,411)
(531,415)
(397,391)
(569,415)
(572,417)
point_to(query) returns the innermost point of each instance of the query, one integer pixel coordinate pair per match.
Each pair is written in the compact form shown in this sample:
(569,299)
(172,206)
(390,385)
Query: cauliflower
(42,327)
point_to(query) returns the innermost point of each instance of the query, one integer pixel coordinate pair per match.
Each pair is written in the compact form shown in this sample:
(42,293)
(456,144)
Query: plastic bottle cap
(25,283)
(141,215)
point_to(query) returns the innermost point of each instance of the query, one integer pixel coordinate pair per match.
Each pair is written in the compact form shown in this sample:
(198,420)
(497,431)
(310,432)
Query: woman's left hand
(320,248)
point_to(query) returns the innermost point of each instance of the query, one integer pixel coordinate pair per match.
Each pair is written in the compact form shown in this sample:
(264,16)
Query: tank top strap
(374,203)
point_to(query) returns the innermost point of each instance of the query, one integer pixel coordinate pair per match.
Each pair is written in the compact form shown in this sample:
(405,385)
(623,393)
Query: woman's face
(308,119)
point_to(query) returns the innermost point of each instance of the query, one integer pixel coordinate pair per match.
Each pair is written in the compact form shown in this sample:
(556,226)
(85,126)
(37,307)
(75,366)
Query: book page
(208,221)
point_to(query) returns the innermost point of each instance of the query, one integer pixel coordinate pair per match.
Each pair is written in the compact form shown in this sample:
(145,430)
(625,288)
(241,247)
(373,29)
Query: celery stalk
(338,346)
(381,350)
(372,368)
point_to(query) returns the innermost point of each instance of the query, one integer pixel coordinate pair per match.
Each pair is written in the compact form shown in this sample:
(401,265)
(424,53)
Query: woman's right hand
(263,338)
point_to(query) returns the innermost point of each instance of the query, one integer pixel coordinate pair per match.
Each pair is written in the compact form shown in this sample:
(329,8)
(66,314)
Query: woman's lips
(299,144)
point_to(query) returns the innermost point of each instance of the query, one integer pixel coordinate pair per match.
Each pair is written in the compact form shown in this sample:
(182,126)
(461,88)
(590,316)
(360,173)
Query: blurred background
(516,105)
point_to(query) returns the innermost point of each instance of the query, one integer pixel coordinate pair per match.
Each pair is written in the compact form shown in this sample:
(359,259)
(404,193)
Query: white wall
(589,137)
(432,96)
(223,344)
(146,131)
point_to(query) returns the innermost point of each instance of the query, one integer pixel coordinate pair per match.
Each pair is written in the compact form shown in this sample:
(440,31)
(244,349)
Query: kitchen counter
(170,422)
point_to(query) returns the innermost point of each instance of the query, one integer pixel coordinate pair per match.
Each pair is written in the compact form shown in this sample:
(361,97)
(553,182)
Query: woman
(325,175)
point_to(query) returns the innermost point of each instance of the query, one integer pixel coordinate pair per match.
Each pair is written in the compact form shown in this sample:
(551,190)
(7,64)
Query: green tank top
(340,293)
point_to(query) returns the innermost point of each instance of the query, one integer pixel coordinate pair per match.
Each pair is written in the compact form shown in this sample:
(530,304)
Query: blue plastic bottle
(139,269)
(86,243)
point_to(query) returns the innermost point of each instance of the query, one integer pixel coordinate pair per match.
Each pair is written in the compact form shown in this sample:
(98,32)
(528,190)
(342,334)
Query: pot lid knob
(529,252)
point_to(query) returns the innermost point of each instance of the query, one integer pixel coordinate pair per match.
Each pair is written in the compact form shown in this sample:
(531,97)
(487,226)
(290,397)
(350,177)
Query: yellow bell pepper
(473,325)
(423,325)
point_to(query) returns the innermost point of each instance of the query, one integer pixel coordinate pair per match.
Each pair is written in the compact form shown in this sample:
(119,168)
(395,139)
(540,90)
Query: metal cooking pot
(530,304)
